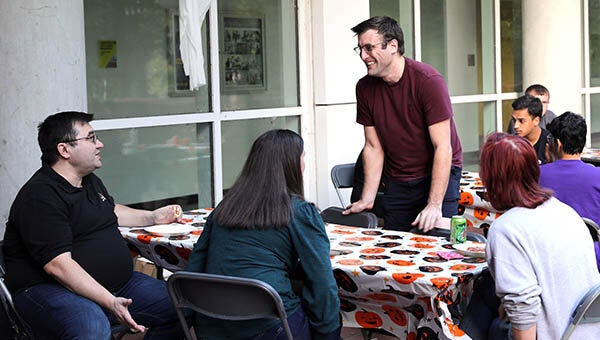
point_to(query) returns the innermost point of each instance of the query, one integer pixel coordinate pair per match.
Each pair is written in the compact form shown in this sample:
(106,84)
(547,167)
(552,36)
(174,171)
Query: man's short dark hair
(537,89)
(386,26)
(58,128)
(571,129)
(531,103)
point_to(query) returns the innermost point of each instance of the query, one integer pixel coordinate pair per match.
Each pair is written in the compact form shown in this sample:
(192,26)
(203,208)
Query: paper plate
(170,229)
(471,249)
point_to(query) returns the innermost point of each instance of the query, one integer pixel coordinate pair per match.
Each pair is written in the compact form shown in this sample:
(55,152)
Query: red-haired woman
(534,250)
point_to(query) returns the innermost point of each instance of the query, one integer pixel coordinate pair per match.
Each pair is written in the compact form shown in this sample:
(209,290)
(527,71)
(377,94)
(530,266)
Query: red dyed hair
(510,172)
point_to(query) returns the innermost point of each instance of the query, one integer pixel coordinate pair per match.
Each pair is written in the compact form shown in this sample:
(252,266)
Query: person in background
(534,250)
(265,230)
(527,112)
(405,109)
(574,182)
(542,93)
(67,266)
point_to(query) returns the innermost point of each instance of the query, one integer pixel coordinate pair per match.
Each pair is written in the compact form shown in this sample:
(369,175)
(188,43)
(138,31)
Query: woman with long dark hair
(264,229)
(536,250)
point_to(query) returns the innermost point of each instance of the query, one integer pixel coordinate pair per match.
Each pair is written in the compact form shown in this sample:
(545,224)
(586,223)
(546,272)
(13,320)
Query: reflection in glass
(158,165)
(474,121)
(402,11)
(594,17)
(141,78)
(259,54)
(238,137)
(462,53)
(595,118)
(511,46)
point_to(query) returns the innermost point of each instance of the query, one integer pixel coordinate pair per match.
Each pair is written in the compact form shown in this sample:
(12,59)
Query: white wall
(337,68)
(43,54)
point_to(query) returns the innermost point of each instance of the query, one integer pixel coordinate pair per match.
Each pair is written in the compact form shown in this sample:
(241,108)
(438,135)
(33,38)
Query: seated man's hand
(167,214)
(120,311)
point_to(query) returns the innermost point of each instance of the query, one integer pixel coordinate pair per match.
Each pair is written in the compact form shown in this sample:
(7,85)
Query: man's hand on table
(357,207)
(429,218)
(120,311)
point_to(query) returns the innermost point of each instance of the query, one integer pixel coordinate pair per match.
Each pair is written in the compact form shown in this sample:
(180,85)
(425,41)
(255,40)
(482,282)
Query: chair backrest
(342,176)
(593,228)
(587,311)
(364,219)
(225,297)
(11,325)
(471,236)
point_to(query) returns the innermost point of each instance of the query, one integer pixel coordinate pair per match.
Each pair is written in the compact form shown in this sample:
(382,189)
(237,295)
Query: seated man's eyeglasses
(92,138)
(369,47)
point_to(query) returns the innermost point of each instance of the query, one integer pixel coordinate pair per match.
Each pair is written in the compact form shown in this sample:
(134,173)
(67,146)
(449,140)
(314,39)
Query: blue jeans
(403,201)
(54,312)
(300,329)
(481,321)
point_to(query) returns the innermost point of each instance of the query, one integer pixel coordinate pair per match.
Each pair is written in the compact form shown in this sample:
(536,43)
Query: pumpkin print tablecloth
(399,282)
(472,204)
(386,279)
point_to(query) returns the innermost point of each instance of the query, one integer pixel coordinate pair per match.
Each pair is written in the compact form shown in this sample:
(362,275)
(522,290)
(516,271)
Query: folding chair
(342,176)
(471,236)
(11,325)
(593,228)
(225,297)
(587,311)
(363,219)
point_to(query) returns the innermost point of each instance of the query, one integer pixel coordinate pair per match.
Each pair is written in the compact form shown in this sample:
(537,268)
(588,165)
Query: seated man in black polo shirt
(67,266)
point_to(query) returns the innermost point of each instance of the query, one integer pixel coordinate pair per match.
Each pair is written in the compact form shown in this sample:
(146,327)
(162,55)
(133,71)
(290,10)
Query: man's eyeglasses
(92,138)
(369,47)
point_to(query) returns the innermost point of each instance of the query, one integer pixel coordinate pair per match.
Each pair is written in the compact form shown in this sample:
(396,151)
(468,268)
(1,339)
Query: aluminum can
(458,229)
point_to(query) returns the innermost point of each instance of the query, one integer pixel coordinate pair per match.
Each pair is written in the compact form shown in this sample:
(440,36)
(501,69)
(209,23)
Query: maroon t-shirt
(401,114)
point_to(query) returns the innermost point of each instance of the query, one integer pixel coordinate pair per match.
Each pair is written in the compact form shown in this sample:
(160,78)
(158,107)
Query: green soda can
(458,229)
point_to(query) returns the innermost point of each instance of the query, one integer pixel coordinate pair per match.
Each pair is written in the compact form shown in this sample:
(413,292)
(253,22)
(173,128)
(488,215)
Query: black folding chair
(364,219)
(225,297)
(11,325)
(592,227)
(342,176)
(471,236)
(587,311)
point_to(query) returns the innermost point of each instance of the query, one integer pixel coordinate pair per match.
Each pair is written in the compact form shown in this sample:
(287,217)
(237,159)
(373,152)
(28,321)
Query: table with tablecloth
(478,212)
(591,156)
(387,279)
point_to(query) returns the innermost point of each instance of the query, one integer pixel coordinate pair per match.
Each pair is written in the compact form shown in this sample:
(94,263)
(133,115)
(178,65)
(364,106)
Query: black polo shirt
(50,217)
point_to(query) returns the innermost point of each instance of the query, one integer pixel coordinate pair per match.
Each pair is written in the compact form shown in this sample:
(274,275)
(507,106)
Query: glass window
(149,167)
(402,11)
(506,113)
(238,137)
(258,59)
(474,121)
(462,53)
(511,45)
(133,62)
(595,118)
(594,18)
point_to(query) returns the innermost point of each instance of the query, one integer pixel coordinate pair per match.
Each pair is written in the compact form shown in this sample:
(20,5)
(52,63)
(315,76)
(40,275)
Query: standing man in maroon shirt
(405,109)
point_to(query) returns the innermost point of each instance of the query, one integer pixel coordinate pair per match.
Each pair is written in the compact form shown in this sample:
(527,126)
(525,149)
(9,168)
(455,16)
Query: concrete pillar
(552,51)
(43,54)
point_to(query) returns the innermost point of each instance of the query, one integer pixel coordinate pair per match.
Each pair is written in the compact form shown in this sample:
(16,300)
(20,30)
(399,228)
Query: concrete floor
(347,334)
